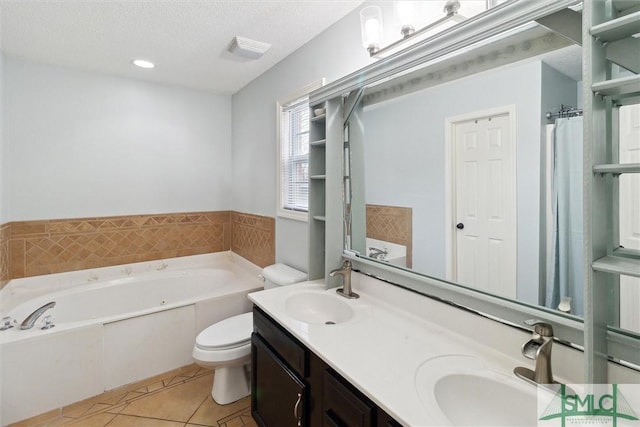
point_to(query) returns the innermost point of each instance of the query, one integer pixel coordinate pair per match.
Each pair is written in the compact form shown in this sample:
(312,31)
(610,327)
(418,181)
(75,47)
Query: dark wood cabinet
(291,386)
(278,395)
(343,406)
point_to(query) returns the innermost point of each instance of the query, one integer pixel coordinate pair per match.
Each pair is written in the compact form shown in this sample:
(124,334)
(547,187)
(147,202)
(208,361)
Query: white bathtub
(114,326)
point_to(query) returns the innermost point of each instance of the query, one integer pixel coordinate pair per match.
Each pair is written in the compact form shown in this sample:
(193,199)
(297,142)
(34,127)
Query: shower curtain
(565,263)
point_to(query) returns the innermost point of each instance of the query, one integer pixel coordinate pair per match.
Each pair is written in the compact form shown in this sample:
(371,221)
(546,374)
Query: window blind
(294,156)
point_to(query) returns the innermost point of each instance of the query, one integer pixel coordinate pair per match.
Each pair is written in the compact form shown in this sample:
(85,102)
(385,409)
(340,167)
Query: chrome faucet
(538,348)
(31,319)
(345,272)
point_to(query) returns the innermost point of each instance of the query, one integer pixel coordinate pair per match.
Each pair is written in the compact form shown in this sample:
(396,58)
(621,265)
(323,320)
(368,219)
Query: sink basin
(462,390)
(317,308)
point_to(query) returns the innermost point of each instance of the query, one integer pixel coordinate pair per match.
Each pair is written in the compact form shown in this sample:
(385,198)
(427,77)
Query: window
(293,148)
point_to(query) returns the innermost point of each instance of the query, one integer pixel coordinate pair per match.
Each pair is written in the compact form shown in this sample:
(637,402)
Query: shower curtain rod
(565,111)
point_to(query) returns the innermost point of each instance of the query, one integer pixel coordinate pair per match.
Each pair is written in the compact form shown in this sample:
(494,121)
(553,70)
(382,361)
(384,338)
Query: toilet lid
(228,333)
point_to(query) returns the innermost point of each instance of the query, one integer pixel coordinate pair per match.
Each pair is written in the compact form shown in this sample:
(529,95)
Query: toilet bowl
(225,346)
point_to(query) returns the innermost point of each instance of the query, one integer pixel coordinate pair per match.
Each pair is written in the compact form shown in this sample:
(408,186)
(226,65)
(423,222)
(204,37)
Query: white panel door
(485,217)
(630,214)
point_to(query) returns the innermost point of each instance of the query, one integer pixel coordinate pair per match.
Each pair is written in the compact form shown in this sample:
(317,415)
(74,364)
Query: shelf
(322,177)
(320,218)
(620,88)
(622,5)
(320,142)
(318,118)
(617,168)
(617,29)
(627,253)
(618,265)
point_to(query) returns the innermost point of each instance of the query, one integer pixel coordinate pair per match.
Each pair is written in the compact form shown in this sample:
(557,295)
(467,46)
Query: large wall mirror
(455,172)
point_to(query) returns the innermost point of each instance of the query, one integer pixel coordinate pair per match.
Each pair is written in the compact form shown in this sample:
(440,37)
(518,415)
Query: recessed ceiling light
(143,64)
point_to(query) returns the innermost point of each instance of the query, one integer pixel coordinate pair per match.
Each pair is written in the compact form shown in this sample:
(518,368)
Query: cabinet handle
(295,410)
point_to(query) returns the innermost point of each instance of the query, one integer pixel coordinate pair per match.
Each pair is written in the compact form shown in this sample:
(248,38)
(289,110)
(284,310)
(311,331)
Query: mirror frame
(506,16)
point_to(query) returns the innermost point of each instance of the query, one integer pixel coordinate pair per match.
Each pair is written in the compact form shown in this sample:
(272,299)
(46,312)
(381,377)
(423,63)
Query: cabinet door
(278,396)
(288,349)
(344,407)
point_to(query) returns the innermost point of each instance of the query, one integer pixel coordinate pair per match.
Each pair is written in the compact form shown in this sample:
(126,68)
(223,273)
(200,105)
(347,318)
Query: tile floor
(180,398)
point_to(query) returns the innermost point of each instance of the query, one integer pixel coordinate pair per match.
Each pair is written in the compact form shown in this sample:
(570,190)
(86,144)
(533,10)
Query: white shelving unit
(317,192)
(325,190)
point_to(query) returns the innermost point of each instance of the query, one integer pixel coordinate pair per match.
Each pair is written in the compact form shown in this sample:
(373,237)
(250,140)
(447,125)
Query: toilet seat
(223,357)
(228,334)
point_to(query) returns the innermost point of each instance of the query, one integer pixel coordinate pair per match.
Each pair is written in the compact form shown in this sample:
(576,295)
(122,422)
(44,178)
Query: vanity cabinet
(342,406)
(291,386)
(280,394)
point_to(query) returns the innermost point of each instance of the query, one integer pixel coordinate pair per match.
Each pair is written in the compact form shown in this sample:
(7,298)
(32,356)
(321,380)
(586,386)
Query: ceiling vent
(247,48)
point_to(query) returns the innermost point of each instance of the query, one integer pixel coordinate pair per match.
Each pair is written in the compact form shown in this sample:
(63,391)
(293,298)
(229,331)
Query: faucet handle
(7,323)
(541,328)
(47,322)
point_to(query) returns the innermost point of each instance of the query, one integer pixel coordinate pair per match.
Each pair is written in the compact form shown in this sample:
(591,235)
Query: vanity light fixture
(406,13)
(143,64)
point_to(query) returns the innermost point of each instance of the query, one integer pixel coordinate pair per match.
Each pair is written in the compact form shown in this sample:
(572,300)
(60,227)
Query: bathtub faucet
(31,319)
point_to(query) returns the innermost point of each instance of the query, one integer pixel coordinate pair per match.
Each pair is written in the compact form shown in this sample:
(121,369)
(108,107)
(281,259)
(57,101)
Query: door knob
(459,226)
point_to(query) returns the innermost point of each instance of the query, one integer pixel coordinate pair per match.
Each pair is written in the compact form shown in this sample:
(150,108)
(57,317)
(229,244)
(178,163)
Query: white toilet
(226,345)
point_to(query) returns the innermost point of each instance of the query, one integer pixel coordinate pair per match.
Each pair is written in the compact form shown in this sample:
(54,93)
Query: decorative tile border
(392,224)
(32,248)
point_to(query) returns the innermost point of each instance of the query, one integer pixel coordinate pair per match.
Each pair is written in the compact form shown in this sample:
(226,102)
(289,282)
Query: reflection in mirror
(629,211)
(457,174)
(414,21)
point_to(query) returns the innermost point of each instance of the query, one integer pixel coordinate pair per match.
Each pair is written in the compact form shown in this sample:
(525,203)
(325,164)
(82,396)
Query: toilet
(225,346)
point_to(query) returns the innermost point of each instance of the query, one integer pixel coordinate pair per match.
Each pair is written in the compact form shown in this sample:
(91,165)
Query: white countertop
(382,347)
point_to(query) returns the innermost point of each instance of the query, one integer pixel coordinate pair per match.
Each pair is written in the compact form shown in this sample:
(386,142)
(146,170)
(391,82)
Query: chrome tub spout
(31,319)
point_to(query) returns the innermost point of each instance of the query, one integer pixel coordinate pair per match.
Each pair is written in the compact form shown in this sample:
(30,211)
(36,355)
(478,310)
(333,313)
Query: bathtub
(113,326)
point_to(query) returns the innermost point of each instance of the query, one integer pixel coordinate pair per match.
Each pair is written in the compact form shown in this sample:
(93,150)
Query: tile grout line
(131,388)
(196,410)
(143,396)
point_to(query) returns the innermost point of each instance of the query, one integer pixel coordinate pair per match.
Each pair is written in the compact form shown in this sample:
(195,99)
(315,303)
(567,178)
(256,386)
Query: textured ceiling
(186,39)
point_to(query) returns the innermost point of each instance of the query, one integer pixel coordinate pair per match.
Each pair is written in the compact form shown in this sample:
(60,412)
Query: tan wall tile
(16,258)
(30,228)
(5,237)
(253,237)
(391,224)
(30,248)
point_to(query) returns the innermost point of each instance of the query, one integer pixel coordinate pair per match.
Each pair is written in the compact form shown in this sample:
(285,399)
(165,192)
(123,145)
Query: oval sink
(462,390)
(317,308)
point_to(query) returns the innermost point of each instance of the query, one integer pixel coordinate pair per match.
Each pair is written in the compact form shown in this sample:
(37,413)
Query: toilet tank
(281,275)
